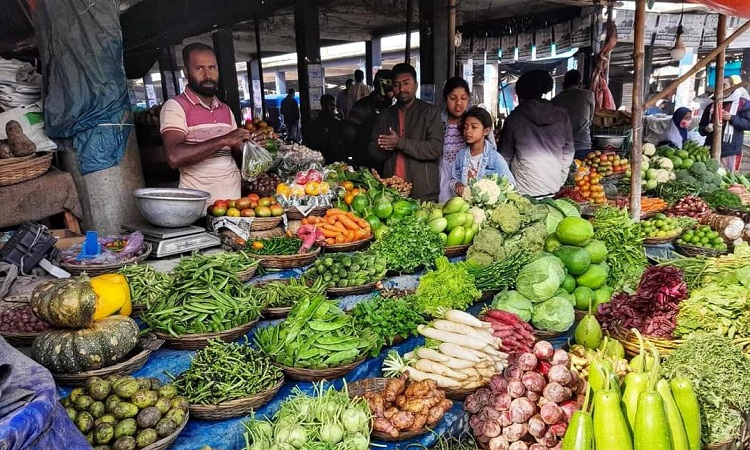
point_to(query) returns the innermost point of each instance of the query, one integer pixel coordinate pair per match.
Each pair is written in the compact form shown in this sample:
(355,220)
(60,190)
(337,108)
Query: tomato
(348,185)
(249,212)
(253,197)
(242,203)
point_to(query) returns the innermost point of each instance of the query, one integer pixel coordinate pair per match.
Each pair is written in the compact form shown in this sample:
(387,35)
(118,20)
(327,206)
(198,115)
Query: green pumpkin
(69,302)
(103,344)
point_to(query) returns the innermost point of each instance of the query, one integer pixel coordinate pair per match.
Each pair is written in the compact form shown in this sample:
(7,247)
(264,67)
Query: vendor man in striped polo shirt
(199,132)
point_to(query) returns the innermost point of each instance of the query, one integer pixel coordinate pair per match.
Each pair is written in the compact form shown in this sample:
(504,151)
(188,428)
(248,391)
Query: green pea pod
(687,403)
(677,432)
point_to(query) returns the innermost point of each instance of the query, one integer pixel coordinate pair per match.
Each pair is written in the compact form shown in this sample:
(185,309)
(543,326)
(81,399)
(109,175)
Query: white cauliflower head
(483,192)
(648,149)
(479,215)
(666,163)
(662,175)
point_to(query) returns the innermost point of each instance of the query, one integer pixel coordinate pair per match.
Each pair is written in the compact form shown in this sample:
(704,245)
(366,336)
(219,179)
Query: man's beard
(207,90)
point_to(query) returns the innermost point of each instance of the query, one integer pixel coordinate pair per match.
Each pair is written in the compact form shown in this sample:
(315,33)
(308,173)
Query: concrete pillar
(228,90)
(256,87)
(167,68)
(281,83)
(433,41)
(307,34)
(491,81)
(259,69)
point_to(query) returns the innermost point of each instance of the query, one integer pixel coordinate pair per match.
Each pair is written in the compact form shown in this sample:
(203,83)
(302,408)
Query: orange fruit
(348,185)
(312,188)
(348,198)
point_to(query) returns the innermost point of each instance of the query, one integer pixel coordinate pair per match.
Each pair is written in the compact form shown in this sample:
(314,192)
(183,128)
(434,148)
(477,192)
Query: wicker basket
(349,246)
(24,170)
(352,290)
(136,311)
(662,240)
(287,261)
(247,274)
(236,407)
(136,359)
(264,223)
(200,340)
(580,315)
(93,270)
(546,335)
(164,443)
(694,250)
(275,313)
(456,250)
(459,394)
(17,339)
(294,214)
(361,387)
(488,295)
(15,160)
(301,374)
(630,343)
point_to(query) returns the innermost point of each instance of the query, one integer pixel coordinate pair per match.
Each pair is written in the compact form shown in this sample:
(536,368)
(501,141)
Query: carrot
(305,221)
(331,220)
(328,233)
(347,222)
(330,241)
(350,235)
(334,211)
(340,239)
(332,228)
(312,220)
(361,222)
(338,226)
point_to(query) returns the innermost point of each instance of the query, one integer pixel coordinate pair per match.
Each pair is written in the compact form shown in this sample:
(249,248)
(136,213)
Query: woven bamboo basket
(488,295)
(580,314)
(456,250)
(275,313)
(247,274)
(694,250)
(294,214)
(352,290)
(136,311)
(135,360)
(546,335)
(234,408)
(301,374)
(459,394)
(200,340)
(164,443)
(17,339)
(24,170)
(93,270)
(629,342)
(15,160)
(264,223)
(362,387)
(287,261)
(349,246)
(662,240)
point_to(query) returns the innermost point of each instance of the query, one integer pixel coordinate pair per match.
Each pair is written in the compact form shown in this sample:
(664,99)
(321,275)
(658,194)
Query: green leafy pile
(626,257)
(721,377)
(448,286)
(702,176)
(716,309)
(408,245)
(722,198)
(388,317)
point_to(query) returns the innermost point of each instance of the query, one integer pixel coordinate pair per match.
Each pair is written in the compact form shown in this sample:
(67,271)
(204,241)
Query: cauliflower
(666,163)
(488,191)
(721,171)
(507,217)
(662,175)
(479,215)
(479,257)
(672,176)
(648,149)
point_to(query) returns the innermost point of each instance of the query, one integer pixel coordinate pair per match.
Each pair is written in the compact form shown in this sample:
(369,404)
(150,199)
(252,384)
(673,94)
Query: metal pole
(637,110)
(721,34)
(451,38)
(264,113)
(407,50)
(173,66)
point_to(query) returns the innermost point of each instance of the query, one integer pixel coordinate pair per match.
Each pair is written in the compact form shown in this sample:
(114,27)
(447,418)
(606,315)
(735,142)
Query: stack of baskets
(18,170)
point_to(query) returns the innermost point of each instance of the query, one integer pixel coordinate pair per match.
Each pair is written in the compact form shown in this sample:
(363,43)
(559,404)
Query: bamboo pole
(637,110)
(452,38)
(700,65)
(721,32)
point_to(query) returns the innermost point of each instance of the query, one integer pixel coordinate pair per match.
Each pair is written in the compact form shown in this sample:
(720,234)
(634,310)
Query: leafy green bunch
(408,245)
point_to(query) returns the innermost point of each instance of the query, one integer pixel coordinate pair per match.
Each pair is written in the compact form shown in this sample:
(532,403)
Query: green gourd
(651,430)
(687,403)
(580,432)
(610,428)
(636,382)
(677,432)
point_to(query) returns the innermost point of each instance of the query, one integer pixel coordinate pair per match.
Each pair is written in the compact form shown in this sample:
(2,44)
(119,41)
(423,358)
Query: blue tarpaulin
(86,98)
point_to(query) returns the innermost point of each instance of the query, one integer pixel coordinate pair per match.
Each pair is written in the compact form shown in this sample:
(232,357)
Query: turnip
(559,429)
(519,445)
(513,372)
(474,421)
(521,410)
(544,350)
(533,396)
(543,367)
(477,426)
(538,447)
(516,389)
(515,431)
(551,413)
(493,414)
(501,401)
(499,443)
(484,395)
(556,393)
(505,419)
(527,361)
(533,381)
(560,358)
(559,374)
(492,429)
(498,383)
(472,404)
(569,407)
(537,427)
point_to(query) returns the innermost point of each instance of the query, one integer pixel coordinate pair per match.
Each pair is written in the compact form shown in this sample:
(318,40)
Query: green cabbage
(539,280)
(515,303)
(566,295)
(555,314)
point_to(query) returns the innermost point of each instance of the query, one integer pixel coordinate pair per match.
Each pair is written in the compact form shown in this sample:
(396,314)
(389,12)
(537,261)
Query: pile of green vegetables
(315,335)
(328,419)
(721,198)
(147,285)
(286,293)
(449,286)
(720,373)
(341,270)
(498,275)
(206,296)
(278,245)
(225,371)
(622,237)
(388,317)
(408,245)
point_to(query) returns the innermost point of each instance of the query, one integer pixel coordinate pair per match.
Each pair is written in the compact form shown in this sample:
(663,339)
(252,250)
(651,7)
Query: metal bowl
(171,207)
(604,141)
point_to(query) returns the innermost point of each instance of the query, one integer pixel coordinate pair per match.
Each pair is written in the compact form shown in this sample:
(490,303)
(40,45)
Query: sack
(255,161)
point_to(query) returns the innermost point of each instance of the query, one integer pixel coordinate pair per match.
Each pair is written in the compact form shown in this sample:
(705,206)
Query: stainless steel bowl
(171,207)
(604,141)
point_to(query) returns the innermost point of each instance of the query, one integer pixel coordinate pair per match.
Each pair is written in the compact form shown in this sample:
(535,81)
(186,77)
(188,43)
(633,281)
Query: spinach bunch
(408,245)
(388,317)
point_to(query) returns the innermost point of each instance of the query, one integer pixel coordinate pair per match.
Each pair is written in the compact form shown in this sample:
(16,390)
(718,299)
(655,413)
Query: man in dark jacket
(325,131)
(290,111)
(537,138)
(735,114)
(359,123)
(408,137)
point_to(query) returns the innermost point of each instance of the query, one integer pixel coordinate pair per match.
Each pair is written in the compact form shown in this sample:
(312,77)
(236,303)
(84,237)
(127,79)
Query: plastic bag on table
(114,249)
(255,160)
(297,157)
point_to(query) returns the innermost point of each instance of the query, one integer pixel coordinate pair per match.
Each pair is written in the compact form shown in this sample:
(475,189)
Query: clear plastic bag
(255,160)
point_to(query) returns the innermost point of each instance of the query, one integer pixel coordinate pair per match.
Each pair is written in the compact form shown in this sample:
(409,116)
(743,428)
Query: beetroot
(516,388)
(549,439)
(527,361)
(505,419)
(559,374)
(513,372)
(519,445)
(492,414)
(492,429)
(559,429)
(484,396)
(498,443)
(569,407)
(555,392)
(521,410)
(498,383)
(533,396)
(501,401)
(515,431)
(533,381)
(472,405)
(543,367)
(560,358)
(544,350)
(551,413)
(537,427)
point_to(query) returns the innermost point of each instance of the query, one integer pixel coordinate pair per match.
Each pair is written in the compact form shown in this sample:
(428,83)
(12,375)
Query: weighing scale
(173,241)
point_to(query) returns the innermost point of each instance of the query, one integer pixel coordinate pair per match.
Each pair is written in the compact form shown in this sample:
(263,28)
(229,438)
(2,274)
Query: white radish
(409,356)
(474,385)
(465,318)
(443,382)
(428,366)
(446,336)
(500,367)
(433,355)
(453,327)
(486,372)
(459,352)
(458,364)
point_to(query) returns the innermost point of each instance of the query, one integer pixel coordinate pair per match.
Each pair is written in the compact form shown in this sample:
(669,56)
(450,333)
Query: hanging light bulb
(678,51)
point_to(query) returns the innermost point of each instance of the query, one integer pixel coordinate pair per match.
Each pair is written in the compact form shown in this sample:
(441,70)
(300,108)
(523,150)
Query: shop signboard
(525,44)
(543,43)
(581,34)
(562,37)
(508,49)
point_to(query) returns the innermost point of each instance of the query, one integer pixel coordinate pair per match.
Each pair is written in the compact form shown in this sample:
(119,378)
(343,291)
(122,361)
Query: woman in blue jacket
(480,157)
(735,114)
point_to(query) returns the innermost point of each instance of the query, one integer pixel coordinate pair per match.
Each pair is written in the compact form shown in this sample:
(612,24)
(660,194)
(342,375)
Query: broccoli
(479,257)
(686,177)
(712,165)
(699,168)
(533,237)
(507,217)
(488,240)
(534,213)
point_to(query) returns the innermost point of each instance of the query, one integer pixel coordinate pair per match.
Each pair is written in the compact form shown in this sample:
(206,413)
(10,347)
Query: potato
(5,150)
(20,145)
